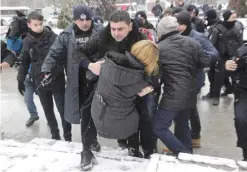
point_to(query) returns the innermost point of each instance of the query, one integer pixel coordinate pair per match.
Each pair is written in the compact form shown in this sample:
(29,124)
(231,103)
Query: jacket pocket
(101,105)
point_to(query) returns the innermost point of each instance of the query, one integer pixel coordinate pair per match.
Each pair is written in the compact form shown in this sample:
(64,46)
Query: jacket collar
(168,35)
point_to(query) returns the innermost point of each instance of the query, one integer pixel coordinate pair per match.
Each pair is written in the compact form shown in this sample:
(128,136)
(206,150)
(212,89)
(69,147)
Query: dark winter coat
(34,51)
(227,41)
(200,27)
(7,55)
(209,49)
(61,52)
(180,59)
(113,107)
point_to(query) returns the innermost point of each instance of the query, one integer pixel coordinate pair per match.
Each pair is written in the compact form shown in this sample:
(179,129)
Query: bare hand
(95,67)
(231,65)
(145,91)
(4,65)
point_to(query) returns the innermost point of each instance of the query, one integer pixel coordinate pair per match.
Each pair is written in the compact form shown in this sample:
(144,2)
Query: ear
(131,26)
(28,24)
(20,14)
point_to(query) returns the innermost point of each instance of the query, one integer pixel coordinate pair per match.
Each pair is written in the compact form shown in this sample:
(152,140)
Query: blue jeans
(28,96)
(181,141)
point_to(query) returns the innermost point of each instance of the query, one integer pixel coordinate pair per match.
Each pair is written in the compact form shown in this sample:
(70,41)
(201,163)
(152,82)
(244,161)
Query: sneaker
(216,101)
(207,96)
(96,146)
(31,121)
(196,143)
(87,160)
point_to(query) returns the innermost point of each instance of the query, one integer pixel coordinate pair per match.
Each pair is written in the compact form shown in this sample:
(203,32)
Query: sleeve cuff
(85,64)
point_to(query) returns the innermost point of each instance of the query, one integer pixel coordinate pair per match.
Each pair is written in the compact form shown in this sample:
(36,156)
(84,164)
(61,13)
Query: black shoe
(67,137)
(227,91)
(123,145)
(95,146)
(147,154)
(135,153)
(87,160)
(31,121)
(207,96)
(55,135)
(216,101)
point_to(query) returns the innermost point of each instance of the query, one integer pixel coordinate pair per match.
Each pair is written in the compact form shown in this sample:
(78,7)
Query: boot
(135,153)
(216,101)
(55,135)
(67,136)
(148,153)
(207,96)
(196,143)
(226,92)
(245,154)
(95,146)
(87,160)
(31,121)
(123,144)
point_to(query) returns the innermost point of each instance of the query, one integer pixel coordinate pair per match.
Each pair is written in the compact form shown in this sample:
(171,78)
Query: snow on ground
(41,155)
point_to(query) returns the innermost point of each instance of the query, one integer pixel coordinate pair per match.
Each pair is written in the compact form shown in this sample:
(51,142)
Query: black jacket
(227,41)
(200,27)
(113,107)
(104,42)
(7,55)
(180,59)
(34,51)
(61,52)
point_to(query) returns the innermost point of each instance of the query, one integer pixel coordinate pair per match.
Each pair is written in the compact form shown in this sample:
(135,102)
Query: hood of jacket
(122,69)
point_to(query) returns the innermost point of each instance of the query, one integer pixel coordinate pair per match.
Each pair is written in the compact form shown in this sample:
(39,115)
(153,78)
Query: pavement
(218,132)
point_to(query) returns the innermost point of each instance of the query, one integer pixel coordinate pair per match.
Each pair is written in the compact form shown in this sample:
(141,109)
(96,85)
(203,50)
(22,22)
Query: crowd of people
(110,79)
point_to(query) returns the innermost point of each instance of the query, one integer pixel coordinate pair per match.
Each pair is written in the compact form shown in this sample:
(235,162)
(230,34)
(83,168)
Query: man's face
(120,30)
(83,24)
(233,17)
(193,13)
(180,2)
(182,28)
(36,26)
(142,20)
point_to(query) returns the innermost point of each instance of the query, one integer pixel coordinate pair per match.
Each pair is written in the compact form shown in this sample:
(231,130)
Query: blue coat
(208,47)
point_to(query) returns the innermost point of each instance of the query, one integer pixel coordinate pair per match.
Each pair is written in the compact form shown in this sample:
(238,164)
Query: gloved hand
(21,87)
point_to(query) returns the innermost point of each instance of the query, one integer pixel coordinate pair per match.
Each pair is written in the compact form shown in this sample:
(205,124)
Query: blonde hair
(147,53)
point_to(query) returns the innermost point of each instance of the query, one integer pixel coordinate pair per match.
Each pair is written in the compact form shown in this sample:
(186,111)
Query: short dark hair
(34,15)
(120,16)
(177,10)
(191,8)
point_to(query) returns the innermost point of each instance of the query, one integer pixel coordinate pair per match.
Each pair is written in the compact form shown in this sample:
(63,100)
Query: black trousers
(211,78)
(88,130)
(222,78)
(240,112)
(45,96)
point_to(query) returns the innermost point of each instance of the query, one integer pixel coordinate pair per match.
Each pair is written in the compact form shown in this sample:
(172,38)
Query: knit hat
(141,14)
(98,20)
(166,25)
(210,15)
(184,18)
(82,12)
(227,14)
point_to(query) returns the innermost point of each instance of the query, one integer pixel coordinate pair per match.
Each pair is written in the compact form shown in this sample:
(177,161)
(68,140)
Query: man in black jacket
(180,59)
(240,65)
(119,35)
(34,50)
(142,18)
(199,24)
(227,37)
(79,86)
